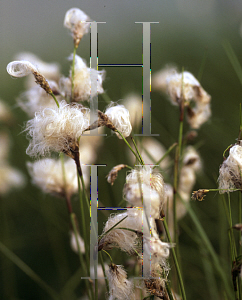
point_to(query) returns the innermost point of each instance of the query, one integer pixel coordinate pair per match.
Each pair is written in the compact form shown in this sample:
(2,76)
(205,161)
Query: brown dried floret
(155,288)
(199,195)
(113,174)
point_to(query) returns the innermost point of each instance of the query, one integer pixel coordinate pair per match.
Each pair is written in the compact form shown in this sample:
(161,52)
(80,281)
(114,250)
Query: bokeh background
(190,34)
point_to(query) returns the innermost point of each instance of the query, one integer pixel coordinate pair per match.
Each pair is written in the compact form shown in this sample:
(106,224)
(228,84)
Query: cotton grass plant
(158,180)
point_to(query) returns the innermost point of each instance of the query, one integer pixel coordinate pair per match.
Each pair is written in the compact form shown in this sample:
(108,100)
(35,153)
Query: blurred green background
(35,226)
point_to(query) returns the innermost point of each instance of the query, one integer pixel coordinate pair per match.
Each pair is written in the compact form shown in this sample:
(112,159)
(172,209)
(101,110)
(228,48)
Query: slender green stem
(240,220)
(166,154)
(83,264)
(85,193)
(175,187)
(240,122)
(169,291)
(136,155)
(108,255)
(82,212)
(175,261)
(180,137)
(53,96)
(218,190)
(209,247)
(63,169)
(106,232)
(106,98)
(73,72)
(28,271)
(233,59)
(137,150)
(177,160)
(234,253)
(72,283)
(96,289)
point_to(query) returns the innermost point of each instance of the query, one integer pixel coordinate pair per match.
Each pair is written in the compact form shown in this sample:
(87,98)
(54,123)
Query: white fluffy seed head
(186,85)
(192,159)
(56,129)
(230,173)
(200,114)
(191,165)
(73,243)
(20,68)
(181,82)
(159,79)
(120,288)
(119,116)
(48,175)
(10,178)
(151,151)
(142,196)
(145,176)
(133,103)
(124,239)
(76,21)
(159,250)
(83,78)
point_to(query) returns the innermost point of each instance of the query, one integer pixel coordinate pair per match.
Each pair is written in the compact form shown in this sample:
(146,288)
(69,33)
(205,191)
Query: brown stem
(68,203)
(77,161)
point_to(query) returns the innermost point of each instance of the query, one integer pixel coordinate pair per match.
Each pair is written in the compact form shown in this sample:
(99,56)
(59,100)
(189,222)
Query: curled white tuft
(20,68)
(50,71)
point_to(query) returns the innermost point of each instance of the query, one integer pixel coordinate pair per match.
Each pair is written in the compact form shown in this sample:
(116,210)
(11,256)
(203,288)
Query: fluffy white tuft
(230,172)
(75,20)
(119,116)
(83,78)
(124,239)
(47,174)
(186,85)
(133,103)
(56,129)
(120,288)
